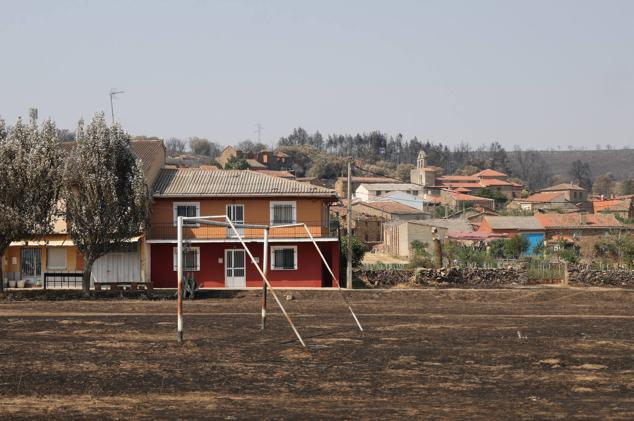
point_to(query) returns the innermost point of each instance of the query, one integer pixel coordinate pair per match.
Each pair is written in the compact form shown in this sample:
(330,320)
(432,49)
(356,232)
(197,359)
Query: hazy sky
(531,73)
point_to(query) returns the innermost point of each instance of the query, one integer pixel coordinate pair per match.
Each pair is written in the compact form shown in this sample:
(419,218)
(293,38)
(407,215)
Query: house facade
(32,261)
(213,255)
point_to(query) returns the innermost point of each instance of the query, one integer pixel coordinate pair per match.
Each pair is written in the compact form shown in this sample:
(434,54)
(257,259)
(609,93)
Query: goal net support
(224,221)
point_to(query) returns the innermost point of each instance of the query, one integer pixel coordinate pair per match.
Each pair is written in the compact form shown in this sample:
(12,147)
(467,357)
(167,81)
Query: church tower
(422,174)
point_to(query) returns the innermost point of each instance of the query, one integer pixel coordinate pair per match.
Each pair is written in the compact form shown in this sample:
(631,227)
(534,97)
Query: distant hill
(620,162)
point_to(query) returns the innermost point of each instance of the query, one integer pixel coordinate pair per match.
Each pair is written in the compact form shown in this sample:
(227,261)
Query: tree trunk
(1,278)
(86,276)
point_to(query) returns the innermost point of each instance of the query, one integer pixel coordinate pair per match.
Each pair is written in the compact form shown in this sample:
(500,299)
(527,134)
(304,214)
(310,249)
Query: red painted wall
(310,270)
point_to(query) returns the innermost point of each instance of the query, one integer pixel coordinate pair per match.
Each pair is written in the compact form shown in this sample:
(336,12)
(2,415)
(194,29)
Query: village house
(402,197)
(527,226)
(341,185)
(543,201)
(33,261)
(263,160)
(579,224)
(368,192)
(366,228)
(433,183)
(389,210)
(214,256)
(623,207)
(398,235)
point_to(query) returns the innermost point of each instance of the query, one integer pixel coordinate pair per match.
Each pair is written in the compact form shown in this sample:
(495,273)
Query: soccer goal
(225,221)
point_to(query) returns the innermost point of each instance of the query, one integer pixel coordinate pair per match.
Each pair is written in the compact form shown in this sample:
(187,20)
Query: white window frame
(175,259)
(175,206)
(288,202)
(65,258)
(274,248)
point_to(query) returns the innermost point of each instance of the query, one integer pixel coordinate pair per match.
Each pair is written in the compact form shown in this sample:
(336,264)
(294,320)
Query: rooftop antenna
(113,93)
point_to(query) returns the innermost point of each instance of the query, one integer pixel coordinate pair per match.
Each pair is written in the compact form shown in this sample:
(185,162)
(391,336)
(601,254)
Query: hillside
(620,162)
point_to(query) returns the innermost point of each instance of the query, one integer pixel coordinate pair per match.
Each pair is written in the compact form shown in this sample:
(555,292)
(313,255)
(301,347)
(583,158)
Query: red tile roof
(612,205)
(461,197)
(496,182)
(578,220)
(544,197)
(490,173)
(458,178)
(392,207)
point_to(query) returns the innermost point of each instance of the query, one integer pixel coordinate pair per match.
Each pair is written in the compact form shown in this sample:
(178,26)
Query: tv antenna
(113,94)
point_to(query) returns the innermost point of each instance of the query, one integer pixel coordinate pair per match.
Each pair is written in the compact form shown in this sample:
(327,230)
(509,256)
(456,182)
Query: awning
(43,243)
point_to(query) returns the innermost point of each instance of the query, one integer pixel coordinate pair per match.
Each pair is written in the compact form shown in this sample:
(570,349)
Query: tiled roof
(392,186)
(275,173)
(612,205)
(232,183)
(544,197)
(490,173)
(523,223)
(455,225)
(578,220)
(461,197)
(474,185)
(458,178)
(496,182)
(563,186)
(253,163)
(148,151)
(367,180)
(392,207)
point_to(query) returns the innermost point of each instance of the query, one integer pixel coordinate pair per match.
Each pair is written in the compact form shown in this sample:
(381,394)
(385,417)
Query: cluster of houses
(389,215)
(386,214)
(214,257)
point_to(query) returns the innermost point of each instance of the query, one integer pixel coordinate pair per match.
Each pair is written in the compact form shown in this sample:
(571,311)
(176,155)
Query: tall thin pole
(179,262)
(265,266)
(349,228)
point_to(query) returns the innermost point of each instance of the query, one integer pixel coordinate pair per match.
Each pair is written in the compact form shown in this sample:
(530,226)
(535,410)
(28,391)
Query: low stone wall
(456,277)
(581,276)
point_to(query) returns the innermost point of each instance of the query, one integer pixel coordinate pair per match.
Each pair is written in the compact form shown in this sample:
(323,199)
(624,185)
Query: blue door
(534,239)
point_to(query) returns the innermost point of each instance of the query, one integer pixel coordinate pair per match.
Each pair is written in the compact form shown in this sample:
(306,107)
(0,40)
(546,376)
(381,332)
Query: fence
(63,280)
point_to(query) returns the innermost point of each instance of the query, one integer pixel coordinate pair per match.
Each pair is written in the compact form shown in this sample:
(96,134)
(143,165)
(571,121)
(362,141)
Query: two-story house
(213,254)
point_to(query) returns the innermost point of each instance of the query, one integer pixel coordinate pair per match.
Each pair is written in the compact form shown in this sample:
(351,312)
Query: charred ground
(517,353)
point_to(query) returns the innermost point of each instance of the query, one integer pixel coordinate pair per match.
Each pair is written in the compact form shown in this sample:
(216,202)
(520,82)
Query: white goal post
(225,221)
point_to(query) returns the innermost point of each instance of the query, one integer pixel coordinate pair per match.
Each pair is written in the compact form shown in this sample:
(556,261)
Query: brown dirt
(440,354)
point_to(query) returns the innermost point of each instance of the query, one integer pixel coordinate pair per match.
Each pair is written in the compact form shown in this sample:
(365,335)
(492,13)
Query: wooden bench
(133,286)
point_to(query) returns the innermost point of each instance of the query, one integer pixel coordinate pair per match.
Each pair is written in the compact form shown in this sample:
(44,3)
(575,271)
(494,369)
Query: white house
(366,192)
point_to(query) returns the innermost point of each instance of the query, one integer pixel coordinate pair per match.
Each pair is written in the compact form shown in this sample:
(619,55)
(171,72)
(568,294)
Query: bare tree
(30,170)
(531,167)
(105,192)
(174,146)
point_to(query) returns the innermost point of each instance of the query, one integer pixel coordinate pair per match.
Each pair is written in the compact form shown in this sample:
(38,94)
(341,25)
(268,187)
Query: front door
(235,269)
(31,264)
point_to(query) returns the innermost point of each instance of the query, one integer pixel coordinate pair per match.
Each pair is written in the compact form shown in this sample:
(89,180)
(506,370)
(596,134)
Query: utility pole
(349,236)
(113,93)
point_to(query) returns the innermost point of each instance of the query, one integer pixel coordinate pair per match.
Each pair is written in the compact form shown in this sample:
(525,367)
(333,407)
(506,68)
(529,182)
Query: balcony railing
(210,232)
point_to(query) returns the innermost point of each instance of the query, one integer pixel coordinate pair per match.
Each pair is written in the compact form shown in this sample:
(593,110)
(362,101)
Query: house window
(56,258)
(283,213)
(284,258)
(191,259)
(186,209)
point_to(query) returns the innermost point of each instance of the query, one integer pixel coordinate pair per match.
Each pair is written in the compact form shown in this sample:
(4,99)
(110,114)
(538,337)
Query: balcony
(318,229)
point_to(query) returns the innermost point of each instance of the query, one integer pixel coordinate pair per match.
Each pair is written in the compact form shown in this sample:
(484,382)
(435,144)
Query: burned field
(516,353)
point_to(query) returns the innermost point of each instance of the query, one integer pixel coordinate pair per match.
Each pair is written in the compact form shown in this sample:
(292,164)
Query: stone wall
(451,277)
(582,276)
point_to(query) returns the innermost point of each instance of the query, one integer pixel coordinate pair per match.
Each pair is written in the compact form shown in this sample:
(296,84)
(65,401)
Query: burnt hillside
(620,162)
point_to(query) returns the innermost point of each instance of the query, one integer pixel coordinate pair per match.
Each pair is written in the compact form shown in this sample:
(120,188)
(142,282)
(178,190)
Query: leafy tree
(499,197)
(604,185)
(174,146)
(515,246)
(358,251)
(496,248)
(581,174)
(403,171)
(468,170)
(30,179)
(105,192)
(420,257)
(235,163)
